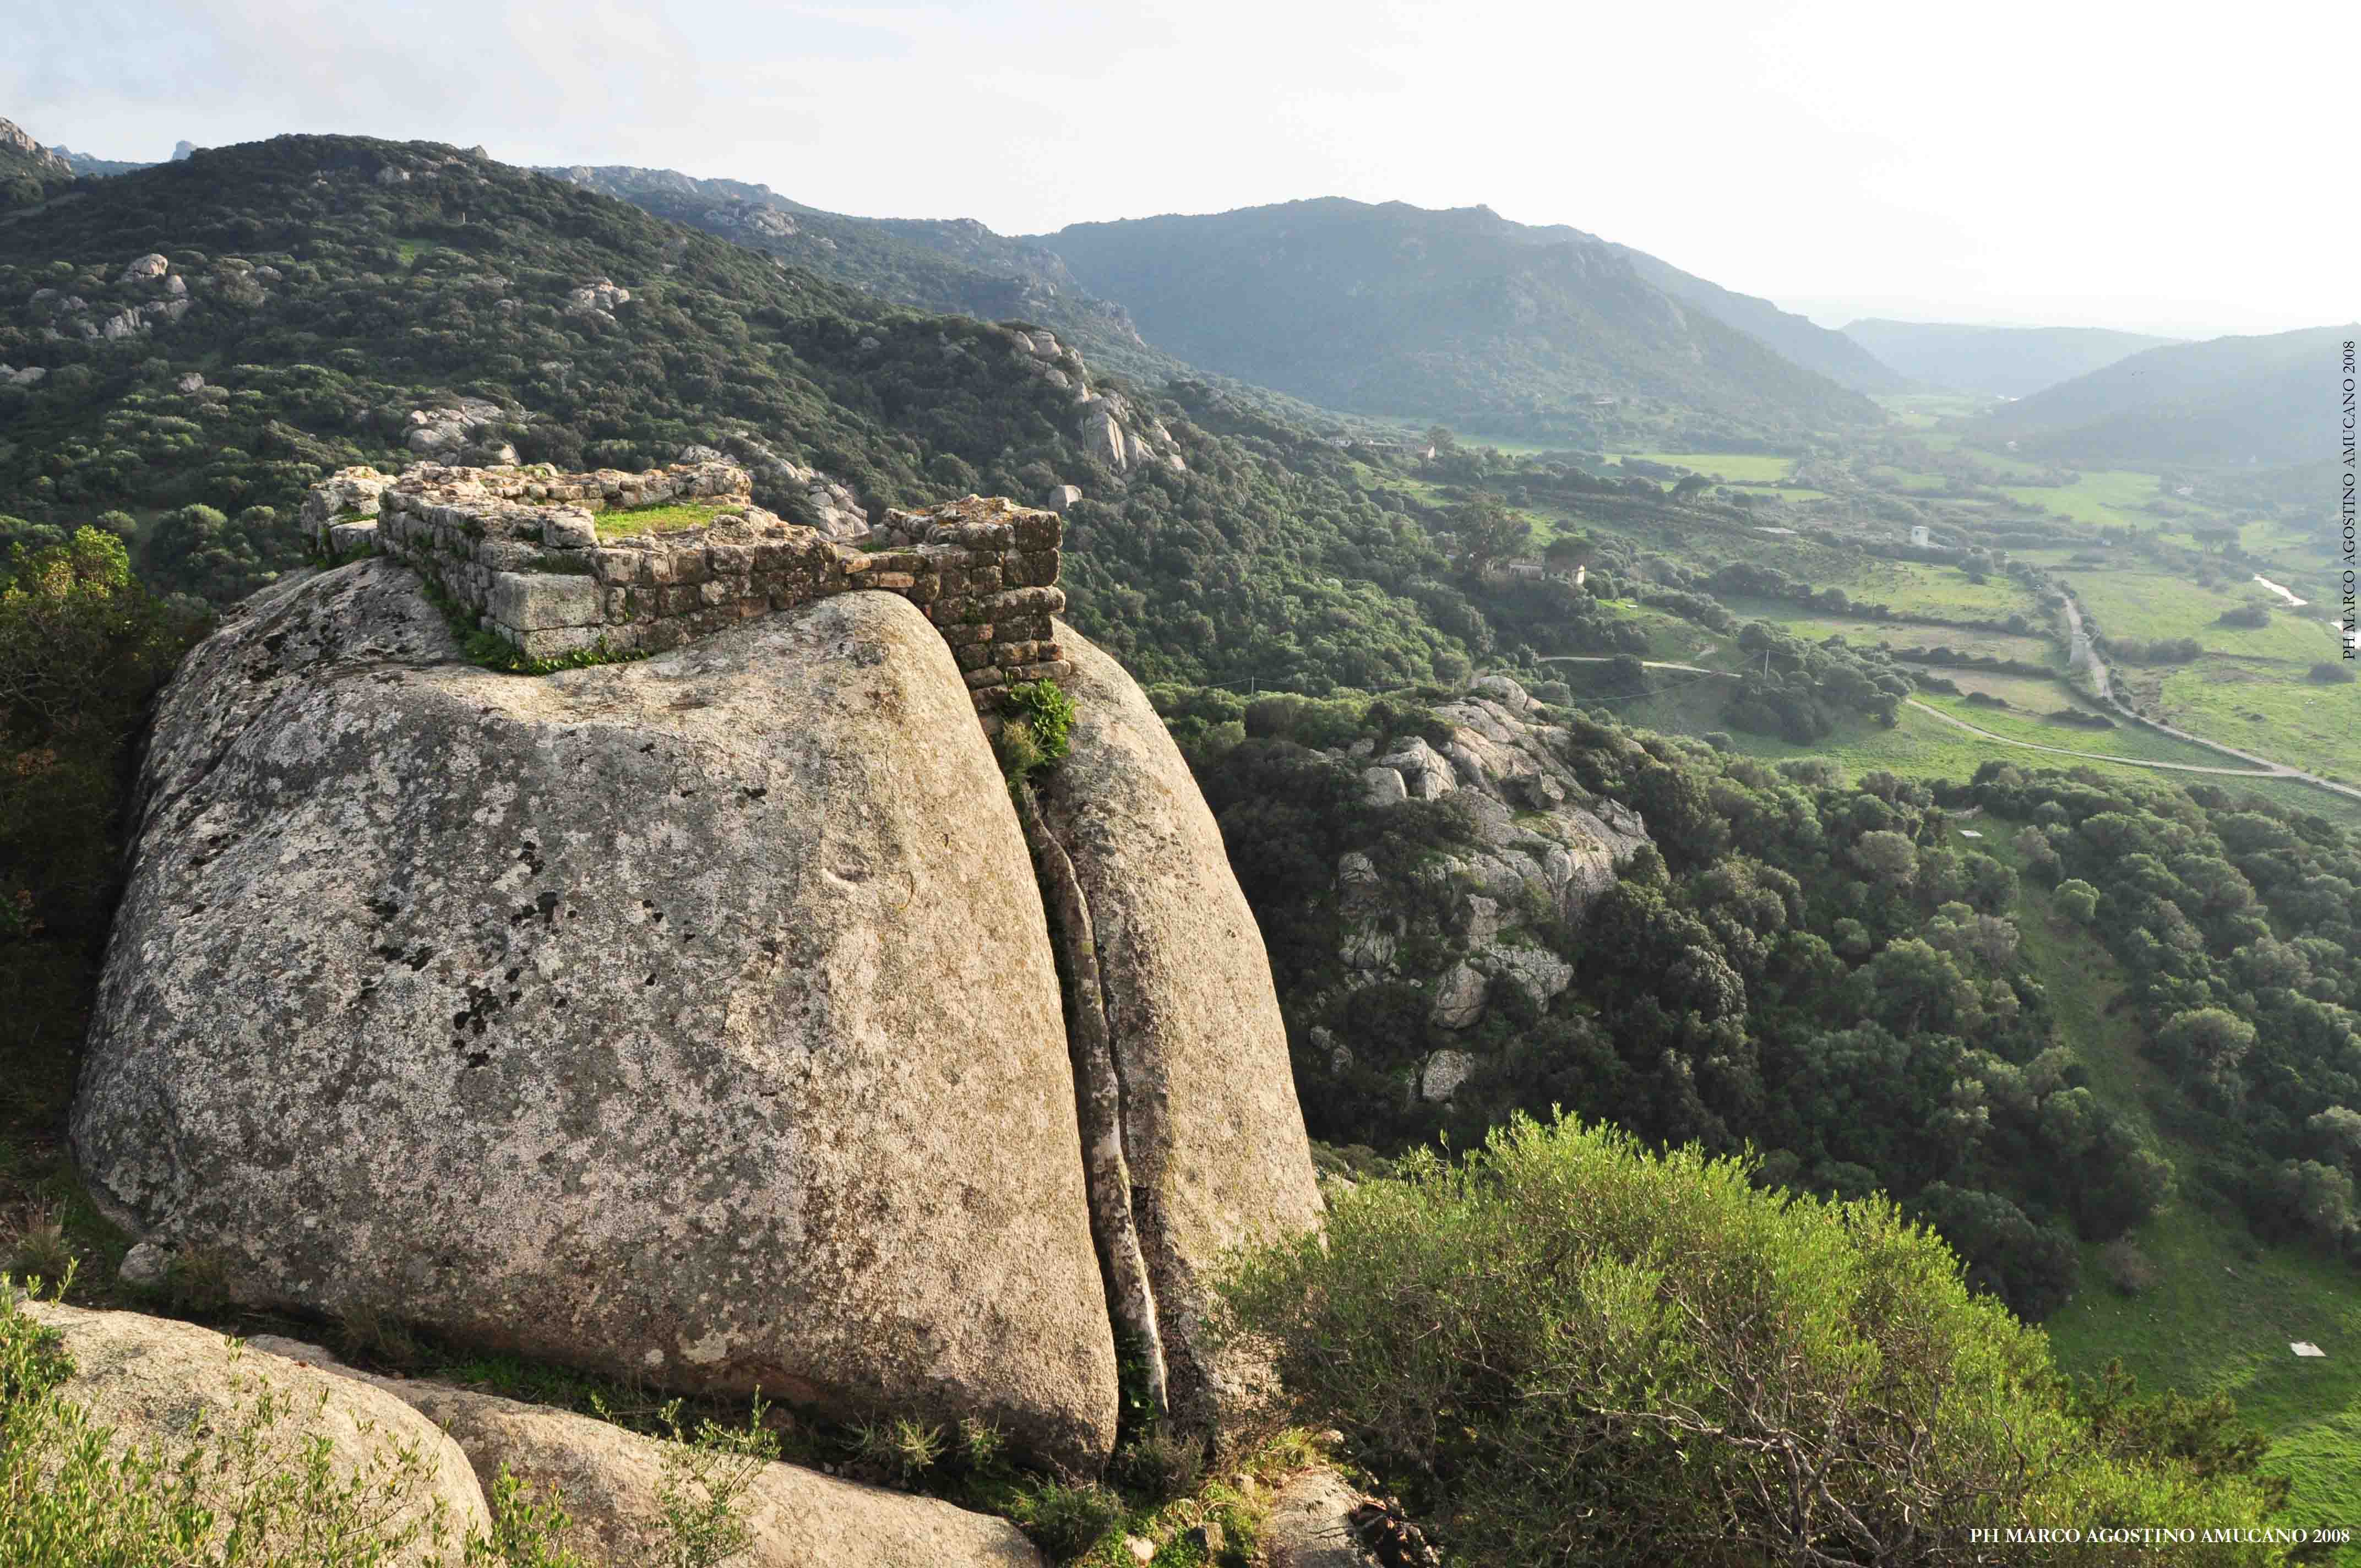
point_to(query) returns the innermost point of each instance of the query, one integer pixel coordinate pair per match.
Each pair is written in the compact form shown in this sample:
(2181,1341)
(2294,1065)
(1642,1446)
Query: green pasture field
(1925,411)
(1919,746)
(2153,606)
(2128,740)
(1923,746)
(2270,710)
(2025,694)
(1924,588)
(1864,633)
(2105,495)
(1733,467)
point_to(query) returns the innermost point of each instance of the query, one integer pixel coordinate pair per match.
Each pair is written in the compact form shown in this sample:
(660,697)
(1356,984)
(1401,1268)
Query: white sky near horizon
(2176,169)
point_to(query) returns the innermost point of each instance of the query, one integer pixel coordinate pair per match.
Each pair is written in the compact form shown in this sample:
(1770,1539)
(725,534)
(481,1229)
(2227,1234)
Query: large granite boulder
(165,1388)
(1211,1128)
(693,1020)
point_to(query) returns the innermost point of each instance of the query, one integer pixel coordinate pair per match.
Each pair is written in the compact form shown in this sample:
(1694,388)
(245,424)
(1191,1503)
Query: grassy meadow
(1730,467)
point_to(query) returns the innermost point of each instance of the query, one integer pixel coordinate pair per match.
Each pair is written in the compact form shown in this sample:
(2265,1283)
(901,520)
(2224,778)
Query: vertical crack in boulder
(1098,1097)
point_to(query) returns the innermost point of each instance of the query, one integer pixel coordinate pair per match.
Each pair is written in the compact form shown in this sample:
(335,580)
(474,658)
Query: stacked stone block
(521,552)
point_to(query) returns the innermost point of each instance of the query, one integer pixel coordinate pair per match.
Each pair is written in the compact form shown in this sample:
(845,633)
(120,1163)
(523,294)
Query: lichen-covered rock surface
(165,1387)
(692,1019)
(1212,1129)
(612,1481)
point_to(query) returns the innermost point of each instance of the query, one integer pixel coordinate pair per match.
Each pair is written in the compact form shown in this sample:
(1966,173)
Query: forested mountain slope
(2229,402)
(325,301)
(953,265)
(2005,361)
(1458,315)
(1799,339)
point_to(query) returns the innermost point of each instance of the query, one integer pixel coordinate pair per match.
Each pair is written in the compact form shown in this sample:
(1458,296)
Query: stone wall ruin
(557,565)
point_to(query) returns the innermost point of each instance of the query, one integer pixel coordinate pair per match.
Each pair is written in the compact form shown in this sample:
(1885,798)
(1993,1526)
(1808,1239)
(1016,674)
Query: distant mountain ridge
(2005,361)
(2232,401)
(1459,315)
(1799,338)
(954,265)
(87,163)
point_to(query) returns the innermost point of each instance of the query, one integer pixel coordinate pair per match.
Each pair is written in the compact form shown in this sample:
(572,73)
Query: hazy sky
(2160,168)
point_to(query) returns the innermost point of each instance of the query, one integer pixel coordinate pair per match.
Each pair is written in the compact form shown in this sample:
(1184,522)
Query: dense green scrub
(1567,1349)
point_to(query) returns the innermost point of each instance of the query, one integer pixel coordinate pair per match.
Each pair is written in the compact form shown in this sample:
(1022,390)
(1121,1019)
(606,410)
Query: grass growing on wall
(673,517)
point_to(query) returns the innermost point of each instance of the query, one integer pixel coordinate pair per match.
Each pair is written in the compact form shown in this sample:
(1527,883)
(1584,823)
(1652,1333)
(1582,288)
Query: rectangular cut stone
(1021,602)
(558,641)
(891,582)
(573,529)
(989,675)
(962,636)
(1024,629)
(1037,531)
(1007,653)
(972,655)
(540,603)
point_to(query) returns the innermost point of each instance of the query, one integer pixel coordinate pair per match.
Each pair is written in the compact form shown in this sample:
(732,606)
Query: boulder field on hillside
(694,1020)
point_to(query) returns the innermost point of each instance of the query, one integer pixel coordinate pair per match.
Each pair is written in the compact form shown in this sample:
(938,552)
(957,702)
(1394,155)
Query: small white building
(1919,535)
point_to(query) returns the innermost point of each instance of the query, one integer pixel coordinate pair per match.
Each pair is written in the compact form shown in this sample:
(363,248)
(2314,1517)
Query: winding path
(2263,766)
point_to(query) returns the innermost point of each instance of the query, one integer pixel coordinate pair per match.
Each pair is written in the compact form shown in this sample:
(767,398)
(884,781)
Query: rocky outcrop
(611,1478)
(1110,428)
(692,1019)
(166,1385)
(17,148)
(1540,836)
(1209,1124)
(1543,846)
(463,430)
(805,495)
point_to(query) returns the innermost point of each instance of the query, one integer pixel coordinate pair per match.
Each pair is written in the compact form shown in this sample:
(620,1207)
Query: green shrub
(257,1490)
(1564,1348)
(705,1478)
(1045,706)
(1066,1521)
(1162,1464)
(905,1448)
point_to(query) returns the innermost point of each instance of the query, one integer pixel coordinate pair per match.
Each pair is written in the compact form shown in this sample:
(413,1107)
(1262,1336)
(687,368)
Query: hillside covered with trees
(1455,315)
(2228,402)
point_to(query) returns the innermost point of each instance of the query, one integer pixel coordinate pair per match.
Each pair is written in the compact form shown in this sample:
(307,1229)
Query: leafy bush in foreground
(1564,1348)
